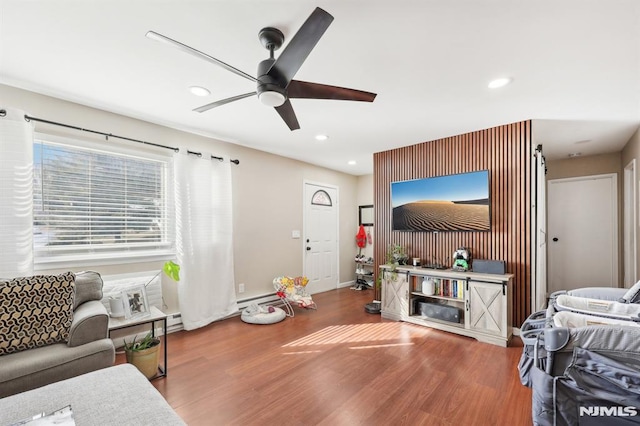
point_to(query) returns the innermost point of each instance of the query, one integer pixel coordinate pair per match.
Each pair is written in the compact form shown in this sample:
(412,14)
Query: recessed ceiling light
(322,137)
(199,91)
(499,82)
(575,154)
(351,162)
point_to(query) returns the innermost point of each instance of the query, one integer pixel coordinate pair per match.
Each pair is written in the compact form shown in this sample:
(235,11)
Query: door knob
(555,239)
(308,248)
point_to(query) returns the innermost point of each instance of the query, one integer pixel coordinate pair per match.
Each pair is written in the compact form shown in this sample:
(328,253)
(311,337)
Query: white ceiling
(575,65)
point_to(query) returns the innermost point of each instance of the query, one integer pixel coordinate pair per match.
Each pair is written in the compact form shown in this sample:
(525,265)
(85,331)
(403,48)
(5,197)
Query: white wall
(267,192)
(365,197)
(365,190)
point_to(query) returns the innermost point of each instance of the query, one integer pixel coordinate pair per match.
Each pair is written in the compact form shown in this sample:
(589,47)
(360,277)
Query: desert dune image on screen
(444,203)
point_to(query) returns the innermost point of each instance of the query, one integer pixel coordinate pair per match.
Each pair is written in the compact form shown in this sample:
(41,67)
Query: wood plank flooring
(341,366)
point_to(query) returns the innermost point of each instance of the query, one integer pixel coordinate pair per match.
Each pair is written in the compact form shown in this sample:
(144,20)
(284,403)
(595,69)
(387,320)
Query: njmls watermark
(615,411)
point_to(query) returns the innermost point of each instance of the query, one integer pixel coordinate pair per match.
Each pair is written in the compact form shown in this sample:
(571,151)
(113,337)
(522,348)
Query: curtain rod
(213,157)
(28,118)
(108,135)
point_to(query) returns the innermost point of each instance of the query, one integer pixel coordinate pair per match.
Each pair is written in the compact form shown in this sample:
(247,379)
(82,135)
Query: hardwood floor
(341,366)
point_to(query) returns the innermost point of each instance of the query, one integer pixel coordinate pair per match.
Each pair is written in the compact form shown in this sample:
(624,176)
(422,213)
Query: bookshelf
(467,303)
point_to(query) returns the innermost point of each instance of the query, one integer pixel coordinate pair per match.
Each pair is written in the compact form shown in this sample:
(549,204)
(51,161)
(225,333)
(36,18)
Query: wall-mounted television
(457,202)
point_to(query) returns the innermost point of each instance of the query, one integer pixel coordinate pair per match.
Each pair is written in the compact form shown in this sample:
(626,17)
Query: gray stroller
(581,358)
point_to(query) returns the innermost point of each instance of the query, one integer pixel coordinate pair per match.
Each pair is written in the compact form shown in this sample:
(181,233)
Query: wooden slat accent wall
(506,151)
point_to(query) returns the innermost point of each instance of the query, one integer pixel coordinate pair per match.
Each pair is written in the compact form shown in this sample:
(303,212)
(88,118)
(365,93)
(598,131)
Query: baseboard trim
(260,300)
(347,284)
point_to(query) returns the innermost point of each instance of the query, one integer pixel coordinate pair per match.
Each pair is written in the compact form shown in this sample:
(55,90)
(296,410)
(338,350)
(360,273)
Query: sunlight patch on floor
(387,345)
(355,333)
(300,352)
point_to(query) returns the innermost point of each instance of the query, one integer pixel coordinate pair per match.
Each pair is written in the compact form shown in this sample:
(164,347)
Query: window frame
(164,250)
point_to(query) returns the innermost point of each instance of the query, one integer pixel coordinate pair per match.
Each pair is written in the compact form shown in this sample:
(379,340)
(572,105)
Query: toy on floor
(293,291)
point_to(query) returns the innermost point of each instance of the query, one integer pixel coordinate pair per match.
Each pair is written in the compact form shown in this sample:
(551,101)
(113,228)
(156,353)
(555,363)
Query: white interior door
(321,237)
(583,232)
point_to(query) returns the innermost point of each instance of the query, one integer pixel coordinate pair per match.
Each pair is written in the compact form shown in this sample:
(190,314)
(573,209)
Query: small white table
(155,315)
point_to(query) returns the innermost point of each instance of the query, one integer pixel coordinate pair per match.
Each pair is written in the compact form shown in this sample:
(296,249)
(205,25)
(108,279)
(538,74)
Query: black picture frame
(365,215)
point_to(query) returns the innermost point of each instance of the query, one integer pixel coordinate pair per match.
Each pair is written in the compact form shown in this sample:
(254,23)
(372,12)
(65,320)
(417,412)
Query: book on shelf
(453,289)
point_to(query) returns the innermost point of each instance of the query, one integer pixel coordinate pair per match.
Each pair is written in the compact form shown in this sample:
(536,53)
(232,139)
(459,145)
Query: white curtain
(16,194)
(206,290)
(540,296)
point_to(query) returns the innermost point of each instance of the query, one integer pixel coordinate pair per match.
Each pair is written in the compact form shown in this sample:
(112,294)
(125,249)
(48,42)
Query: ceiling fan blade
(207,107)
(288,115)
(190,50)
(304,90)
(292,57)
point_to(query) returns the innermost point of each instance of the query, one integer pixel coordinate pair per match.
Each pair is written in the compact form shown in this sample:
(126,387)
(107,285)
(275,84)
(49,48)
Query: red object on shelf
(361,237)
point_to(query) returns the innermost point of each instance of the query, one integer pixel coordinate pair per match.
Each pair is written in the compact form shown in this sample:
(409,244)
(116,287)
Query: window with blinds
(89,203)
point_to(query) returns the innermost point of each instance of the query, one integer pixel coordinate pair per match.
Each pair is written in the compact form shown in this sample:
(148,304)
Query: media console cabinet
(467,303)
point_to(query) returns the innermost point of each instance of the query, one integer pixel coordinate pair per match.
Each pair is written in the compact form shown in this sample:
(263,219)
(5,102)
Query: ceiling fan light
(271,98)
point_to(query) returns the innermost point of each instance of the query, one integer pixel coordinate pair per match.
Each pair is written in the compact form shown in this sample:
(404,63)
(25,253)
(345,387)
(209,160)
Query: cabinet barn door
(395,295)
(487,308)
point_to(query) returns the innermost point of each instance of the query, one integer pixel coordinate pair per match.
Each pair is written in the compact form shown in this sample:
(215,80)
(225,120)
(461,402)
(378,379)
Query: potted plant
(395,256)
(144,354)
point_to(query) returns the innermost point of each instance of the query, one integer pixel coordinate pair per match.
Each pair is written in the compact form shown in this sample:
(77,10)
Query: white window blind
(90,203)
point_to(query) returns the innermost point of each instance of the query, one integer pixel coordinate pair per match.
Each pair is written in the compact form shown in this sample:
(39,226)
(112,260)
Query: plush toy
(461,259)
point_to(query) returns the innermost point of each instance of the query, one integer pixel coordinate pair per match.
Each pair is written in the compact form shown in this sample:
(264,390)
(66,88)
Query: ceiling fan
(275,84)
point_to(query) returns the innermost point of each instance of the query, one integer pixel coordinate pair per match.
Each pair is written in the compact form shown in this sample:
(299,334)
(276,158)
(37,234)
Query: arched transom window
(321,198)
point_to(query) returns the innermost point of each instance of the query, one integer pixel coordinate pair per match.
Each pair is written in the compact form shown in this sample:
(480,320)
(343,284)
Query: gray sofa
(116,396)
(83,349)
